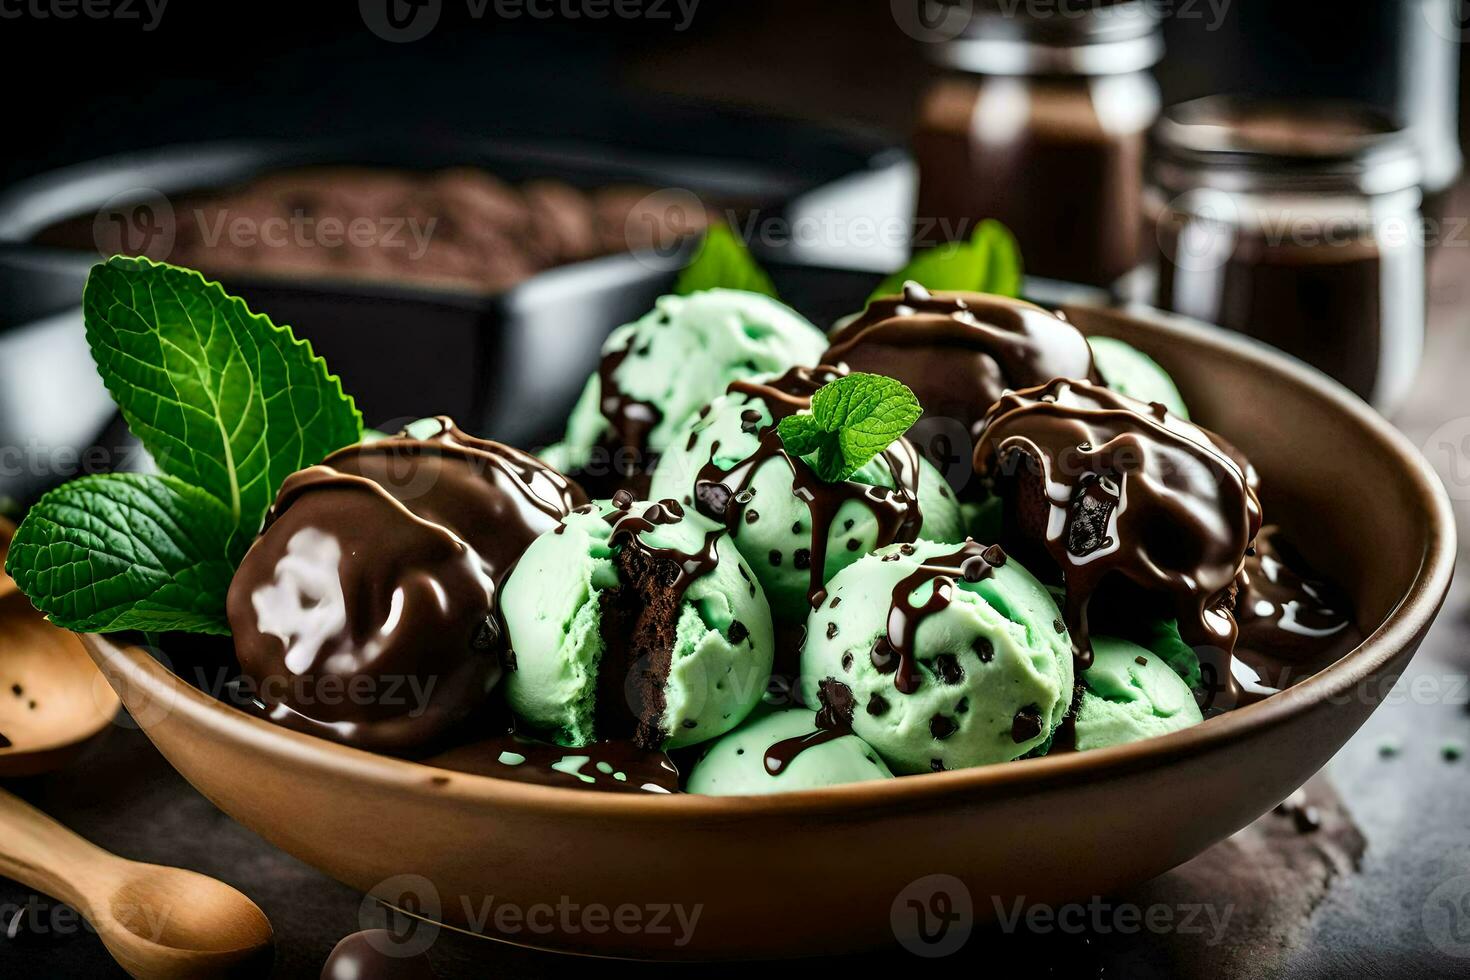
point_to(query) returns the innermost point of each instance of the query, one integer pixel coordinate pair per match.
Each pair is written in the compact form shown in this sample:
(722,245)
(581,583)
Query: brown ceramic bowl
(822,871)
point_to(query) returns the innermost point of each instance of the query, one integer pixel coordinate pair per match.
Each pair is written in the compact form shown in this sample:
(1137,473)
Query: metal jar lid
(1064,37)
(1237,144)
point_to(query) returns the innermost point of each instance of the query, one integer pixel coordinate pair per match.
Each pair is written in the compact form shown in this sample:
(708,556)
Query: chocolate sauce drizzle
(631,422)
(895,651)
(516,757)
(1111,489)
(960,352)
(723,493)
(628,528)
(833,721)
(1291,623)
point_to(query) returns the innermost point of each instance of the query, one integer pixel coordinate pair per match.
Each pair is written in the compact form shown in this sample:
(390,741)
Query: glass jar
(1298,224)
(1040,121)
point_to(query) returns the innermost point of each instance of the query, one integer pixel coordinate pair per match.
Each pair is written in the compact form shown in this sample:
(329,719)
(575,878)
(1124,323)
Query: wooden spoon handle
(37,851)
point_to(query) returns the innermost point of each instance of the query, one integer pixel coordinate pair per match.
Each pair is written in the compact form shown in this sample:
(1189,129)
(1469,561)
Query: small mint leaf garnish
(852,420)
(801,435)
(723,262)
(127,552)
(222,398)
(989,262)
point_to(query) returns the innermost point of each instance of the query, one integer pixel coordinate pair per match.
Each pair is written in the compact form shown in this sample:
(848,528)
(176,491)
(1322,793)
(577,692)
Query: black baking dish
(444,344)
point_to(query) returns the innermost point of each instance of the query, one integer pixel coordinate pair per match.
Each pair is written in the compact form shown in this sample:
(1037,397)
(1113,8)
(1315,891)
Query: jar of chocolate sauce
(1298,224)
(1039,119)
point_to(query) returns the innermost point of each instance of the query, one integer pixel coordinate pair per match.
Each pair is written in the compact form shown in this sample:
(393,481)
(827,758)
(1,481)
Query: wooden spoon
(159,923)
(53,699)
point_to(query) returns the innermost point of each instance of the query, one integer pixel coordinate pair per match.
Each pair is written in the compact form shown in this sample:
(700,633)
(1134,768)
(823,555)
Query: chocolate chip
(693,439)
(853,544)
(995,555)
(751,516)
(836,601)
(1026,725)
(962,707)
(906,549)
(750,420)
(891,557)
(1141,661)
(622,500)
(947,667)
(984,649)
(936,765)
(847,524)
(941,727)
(690,723)
(877,706)
(1059,626)
(738,631)
(832,633)
(775,557)
(836,705)
(802,558)
(796,528)
(714,498)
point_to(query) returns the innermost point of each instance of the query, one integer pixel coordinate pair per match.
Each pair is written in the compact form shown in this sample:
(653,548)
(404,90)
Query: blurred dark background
(82,86)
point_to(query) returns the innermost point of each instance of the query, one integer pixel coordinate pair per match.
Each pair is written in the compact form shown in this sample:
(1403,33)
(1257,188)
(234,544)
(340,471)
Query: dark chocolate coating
(959,352)
(1106,489)
(381,565)
(1291,623)
(369,955)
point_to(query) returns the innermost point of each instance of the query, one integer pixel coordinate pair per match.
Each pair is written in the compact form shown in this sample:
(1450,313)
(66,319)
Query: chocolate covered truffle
(365,611)
(959,352)
(1106,491)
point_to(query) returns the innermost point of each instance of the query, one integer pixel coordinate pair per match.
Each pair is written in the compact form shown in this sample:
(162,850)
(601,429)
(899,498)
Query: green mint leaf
(1002,256)
(224,399)
(829,464)
(127,552)
(723,262)
(989,262)
(853,419)
(801,434)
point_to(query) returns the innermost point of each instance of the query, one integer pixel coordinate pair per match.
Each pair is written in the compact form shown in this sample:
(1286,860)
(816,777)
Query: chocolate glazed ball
(959,352)
(364,612)
(1109,492)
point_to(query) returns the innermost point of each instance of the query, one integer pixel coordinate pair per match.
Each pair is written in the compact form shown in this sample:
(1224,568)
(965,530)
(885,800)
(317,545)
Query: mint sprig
(221,397)
(723,262)
(127,552)
(228,404)
(852,420)
(989,262)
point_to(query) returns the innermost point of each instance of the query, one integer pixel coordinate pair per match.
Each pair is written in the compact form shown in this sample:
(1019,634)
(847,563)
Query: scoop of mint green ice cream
(576,607)
(683,353)
(991,661)
(806,757)
(1130,693)
(775,529)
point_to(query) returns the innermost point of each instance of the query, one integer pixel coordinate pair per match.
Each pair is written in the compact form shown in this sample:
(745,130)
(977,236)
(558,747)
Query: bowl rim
(1401,628)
